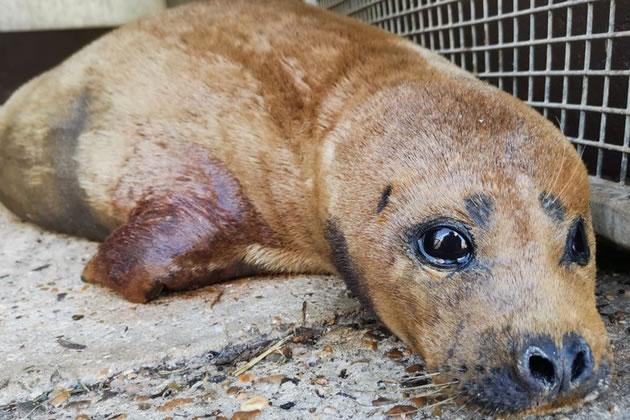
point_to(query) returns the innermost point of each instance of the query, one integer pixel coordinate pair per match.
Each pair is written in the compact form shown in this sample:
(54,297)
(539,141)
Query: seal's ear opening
(576,250)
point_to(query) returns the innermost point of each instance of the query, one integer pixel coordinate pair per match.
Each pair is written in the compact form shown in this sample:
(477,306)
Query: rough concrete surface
(75,351)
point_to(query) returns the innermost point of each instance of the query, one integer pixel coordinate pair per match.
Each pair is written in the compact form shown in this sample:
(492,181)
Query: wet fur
(231,138)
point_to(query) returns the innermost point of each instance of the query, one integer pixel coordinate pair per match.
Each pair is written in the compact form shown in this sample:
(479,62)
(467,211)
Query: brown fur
(230,138)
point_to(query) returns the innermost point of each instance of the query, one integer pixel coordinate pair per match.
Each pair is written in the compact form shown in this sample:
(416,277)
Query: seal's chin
(500,391)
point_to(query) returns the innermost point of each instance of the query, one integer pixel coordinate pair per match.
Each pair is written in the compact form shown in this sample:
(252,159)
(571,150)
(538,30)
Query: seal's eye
(445,247)
(576,249)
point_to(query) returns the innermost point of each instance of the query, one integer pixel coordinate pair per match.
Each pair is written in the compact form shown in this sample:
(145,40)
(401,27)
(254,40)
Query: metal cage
(569,59)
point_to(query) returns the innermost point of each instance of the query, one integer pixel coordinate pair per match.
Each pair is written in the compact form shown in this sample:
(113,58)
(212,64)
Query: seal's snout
(547,371)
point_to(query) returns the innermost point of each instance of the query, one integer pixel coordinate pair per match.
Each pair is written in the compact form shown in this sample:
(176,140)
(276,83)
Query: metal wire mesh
(570,59)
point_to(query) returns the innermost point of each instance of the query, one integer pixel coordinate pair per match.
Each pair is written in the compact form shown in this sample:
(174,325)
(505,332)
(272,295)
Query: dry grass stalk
(261,356)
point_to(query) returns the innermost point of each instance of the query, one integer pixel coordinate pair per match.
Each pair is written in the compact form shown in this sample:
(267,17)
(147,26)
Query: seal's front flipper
(173,243)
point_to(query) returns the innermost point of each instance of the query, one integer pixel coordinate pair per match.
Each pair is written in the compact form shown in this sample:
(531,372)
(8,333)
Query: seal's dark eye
(445,247)
(576,249)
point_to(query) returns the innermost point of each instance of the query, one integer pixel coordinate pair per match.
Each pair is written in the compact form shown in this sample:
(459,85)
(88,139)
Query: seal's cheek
(412,308)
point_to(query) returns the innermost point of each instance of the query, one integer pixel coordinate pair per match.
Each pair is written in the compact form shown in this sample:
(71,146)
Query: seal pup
(224,139)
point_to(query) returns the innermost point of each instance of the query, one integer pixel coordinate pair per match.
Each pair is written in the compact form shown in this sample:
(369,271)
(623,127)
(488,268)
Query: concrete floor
(71,350)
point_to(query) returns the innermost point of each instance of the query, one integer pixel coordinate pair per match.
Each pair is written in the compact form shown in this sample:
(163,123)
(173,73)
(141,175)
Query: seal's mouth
(502,391)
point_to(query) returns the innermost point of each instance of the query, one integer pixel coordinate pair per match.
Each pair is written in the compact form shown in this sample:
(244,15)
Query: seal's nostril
(578,361)
(578,366)
(542,370)
(538,366)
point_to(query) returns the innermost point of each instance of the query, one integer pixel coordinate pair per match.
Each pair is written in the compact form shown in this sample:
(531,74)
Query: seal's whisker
(428,394)
(394,387)
(553,184)
(439,403)
(568,182)
(428,386)
(422,376)
(393,401)
(570,179)
(375,390)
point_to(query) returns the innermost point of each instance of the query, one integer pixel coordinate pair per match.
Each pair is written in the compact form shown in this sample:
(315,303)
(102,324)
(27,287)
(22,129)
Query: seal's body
(230,138)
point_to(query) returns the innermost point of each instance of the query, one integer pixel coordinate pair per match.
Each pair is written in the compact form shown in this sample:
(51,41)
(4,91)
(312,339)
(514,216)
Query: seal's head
(467,229)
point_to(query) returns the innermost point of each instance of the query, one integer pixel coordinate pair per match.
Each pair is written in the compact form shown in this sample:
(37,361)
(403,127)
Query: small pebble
(320,380)
(77,317)
(414,368)
(382,401)
(294,381)
(369,344)
(60,399)
(176,402)
(272,378)
(400,410)
(394,354)
(232,390)
(246,415)
(255,403)
(246,377)
(287,406)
